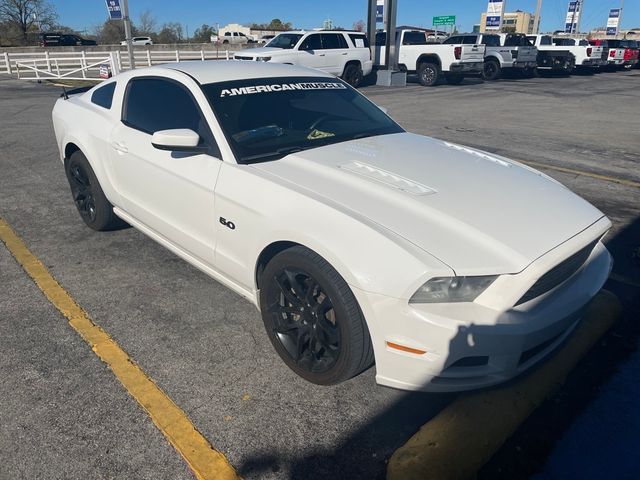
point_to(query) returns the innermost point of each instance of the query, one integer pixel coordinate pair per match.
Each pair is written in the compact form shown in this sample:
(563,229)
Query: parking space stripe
(621,181)
(205,462)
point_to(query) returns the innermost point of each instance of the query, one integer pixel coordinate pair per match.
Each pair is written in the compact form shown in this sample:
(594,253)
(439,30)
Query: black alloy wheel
(312,318)
(82,191)
(428,74)
(304,321)
(353,75)
(491,70)
(92,204)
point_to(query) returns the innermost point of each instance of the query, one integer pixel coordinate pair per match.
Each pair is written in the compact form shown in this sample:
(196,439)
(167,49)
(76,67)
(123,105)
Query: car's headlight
(263,59)
(452,289)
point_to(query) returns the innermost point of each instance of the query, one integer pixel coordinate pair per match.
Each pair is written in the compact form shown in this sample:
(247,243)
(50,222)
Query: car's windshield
(285,40)
(269,118)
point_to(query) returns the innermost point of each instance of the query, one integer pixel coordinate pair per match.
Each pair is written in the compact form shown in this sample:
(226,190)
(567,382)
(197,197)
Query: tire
(313,319)
(352,75)
(492,70)
(530,72)
(455,79)
(92,204)
(428,74)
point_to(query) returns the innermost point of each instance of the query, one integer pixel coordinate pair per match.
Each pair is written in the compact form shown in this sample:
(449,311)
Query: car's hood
(262,51)
(476,212)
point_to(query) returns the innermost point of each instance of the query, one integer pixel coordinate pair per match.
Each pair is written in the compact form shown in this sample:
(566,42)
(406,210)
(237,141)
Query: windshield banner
(281,87)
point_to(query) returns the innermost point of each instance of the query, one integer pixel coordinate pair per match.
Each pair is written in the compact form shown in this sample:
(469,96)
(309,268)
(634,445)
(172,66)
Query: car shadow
(364,452)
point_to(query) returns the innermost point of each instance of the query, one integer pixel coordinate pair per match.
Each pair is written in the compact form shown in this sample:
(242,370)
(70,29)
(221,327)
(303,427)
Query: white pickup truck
(552,58)
(432,61)
(615,52)
(587,57)
(503,51)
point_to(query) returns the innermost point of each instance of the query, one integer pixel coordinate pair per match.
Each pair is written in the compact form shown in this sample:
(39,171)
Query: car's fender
(265,209)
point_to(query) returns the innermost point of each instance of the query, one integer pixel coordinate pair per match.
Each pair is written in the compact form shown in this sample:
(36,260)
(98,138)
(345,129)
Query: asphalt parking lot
(64,415)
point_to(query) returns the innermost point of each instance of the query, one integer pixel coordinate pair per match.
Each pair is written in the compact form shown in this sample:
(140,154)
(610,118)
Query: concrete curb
(464,436)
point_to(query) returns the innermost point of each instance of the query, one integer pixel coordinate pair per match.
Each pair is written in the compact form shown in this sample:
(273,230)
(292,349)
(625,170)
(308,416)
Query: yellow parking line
(205,462)
(458,441)
(582,173)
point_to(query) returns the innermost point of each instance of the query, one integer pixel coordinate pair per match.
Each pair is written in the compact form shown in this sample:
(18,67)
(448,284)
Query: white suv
(344,54)
(139,41)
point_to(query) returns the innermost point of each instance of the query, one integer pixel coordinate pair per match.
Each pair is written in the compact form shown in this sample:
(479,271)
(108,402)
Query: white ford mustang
(451,267)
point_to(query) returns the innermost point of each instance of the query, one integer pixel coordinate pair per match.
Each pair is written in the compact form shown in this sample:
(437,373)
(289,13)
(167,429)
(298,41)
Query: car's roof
(212,71)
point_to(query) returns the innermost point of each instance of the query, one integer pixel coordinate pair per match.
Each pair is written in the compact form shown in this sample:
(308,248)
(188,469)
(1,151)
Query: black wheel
(352,75)
(455,79)
(530,72)
(491,70)
(312,318)
(93,206)
(428,74)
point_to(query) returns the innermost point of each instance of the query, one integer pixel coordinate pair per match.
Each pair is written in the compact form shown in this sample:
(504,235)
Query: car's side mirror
(178,139)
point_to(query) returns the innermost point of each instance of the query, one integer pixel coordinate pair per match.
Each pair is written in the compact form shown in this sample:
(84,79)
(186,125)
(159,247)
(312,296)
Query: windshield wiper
(277,155)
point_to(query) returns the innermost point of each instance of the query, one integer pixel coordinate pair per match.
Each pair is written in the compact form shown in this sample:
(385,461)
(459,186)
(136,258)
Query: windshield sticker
(281,87)
(318,134)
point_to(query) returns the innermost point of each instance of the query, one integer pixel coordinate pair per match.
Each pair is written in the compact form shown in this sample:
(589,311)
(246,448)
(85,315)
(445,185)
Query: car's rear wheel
(428,74)
(92,204)
(491,70)
(312,318)
(352,75)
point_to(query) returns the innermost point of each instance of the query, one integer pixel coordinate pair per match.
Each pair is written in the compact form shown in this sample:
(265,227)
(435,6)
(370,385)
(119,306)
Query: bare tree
(148,23)
(170,33)
(359,25)
(27,15)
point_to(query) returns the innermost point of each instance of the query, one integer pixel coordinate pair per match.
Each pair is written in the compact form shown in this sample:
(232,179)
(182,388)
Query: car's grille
(238,57)
(558,274)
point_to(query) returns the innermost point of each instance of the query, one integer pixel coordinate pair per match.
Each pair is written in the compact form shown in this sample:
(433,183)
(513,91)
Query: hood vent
(478,154)
(387,178)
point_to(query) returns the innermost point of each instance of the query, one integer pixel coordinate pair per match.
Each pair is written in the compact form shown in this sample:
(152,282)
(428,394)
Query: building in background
(515,22)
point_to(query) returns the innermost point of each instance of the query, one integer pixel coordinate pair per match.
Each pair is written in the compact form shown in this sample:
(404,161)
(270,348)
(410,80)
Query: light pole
(536,18)
(127,32)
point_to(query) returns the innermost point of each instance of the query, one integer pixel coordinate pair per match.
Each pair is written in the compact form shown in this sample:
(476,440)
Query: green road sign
(446,20)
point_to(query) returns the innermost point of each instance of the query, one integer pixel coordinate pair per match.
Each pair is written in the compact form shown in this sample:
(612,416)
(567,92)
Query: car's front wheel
(312,318)
(92,204)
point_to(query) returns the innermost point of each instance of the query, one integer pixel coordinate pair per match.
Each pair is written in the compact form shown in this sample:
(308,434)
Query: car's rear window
(414,38)
(359,41)
(103,96)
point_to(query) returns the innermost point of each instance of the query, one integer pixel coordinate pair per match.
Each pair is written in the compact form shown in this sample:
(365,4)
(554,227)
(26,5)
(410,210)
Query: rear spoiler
(74,91)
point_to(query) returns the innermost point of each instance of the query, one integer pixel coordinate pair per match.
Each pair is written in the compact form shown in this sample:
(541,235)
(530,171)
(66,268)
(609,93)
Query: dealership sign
(573,17)
(613,22)
(380,11)
(495,10)
(115,12)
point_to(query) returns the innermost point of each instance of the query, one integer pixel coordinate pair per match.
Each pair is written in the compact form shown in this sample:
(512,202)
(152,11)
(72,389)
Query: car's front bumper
(469,345)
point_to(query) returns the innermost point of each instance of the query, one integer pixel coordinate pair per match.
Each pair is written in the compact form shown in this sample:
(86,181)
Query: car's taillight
(589,51)
(457,52)
(612,53)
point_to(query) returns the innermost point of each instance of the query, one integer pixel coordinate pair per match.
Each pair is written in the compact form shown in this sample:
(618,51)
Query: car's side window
(312,42)
(152,104)
(103,96)
(332,41)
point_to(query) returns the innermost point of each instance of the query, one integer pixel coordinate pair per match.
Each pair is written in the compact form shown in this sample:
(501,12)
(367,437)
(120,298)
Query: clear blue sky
(85,14)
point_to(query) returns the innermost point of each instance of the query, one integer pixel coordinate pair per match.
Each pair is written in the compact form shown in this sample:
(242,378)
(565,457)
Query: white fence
(85,65)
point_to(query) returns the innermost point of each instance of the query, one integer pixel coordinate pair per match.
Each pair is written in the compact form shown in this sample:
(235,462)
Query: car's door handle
(344,53)
(119,147)
(321,55)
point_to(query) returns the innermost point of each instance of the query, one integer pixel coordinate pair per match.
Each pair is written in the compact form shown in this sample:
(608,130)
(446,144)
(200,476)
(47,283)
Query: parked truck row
(486,55)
